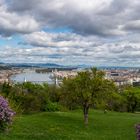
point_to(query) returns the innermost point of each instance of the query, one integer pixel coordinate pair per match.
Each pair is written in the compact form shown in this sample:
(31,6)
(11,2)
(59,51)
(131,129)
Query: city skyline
(69,32)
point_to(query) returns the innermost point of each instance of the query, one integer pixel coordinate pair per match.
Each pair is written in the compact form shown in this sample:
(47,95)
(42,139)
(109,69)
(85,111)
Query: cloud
(132,26)
(103,32)
(61,40)
(27,55)
(70,48)
(102,18)
(105,54)
(12,23)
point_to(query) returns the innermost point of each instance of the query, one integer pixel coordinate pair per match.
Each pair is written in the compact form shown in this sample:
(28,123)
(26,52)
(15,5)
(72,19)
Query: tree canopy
(85,88)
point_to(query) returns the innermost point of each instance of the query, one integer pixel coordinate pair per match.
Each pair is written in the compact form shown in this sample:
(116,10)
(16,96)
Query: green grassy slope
(69,126)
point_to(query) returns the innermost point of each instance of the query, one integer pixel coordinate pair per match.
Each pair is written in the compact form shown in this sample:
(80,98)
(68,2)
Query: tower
(56,81)
(25,79)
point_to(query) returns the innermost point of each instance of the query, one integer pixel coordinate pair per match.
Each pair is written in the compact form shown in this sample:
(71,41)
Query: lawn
(69,126)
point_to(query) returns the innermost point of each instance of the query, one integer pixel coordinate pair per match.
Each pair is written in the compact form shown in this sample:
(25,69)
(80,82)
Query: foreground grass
(69,126)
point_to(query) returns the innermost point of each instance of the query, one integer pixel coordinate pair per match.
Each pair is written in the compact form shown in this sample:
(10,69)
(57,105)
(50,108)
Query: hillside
(69,126)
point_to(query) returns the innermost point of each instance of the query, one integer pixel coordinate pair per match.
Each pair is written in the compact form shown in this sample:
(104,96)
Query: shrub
(138,131)
(6,114)
(52,106)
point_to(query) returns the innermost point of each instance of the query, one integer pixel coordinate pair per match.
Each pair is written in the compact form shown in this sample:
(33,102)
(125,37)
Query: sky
(70,32)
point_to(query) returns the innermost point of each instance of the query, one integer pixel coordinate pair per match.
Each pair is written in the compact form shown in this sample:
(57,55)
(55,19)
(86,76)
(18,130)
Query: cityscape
(120,76)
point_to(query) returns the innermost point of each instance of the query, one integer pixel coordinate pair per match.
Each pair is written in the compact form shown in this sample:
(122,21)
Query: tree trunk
(134,107)
(85,110)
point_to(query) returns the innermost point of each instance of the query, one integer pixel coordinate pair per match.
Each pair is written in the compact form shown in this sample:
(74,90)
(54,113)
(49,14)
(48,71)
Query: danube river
(33,77)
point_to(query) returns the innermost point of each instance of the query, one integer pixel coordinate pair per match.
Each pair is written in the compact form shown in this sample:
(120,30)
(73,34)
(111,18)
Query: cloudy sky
(70,32)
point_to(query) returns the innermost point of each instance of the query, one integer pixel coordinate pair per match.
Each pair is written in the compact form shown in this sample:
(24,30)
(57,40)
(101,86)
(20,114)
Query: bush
(51,107)
(138,131)
(29,104)
(28,98)
(6,114)
(116,102)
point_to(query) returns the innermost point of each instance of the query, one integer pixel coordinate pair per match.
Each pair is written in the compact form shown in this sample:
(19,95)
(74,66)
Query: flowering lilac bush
(6,114)
(138,131)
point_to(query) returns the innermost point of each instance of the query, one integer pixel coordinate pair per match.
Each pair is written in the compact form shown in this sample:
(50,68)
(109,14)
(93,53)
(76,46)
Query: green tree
(85,88)
(6,88)
(116,102)
(29,97)
(132,96)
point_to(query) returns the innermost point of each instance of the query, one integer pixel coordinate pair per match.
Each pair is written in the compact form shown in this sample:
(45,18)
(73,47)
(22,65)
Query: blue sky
(10,41)
(69,32)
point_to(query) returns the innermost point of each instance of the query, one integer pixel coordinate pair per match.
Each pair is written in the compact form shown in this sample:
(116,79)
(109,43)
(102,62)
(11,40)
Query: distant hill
(37,65)
(50,65)
(53,66)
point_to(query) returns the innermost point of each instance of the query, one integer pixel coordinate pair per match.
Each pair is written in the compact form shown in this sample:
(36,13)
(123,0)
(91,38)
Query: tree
(116,102)
(85,88)
(29,97)
(132,96)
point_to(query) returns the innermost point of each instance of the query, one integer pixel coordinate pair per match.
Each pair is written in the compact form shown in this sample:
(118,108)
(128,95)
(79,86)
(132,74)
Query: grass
(69,126)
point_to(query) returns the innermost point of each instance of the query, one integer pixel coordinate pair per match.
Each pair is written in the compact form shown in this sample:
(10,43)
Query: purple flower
(6,113)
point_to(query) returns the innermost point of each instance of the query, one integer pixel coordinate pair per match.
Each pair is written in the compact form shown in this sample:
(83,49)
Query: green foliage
(6,89)
(27,97)
(54,93)
(52,106)
(116,102)
(132,96)
(85,89)
(88,89)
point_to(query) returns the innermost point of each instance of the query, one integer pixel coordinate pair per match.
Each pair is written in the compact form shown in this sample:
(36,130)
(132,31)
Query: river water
(33,77)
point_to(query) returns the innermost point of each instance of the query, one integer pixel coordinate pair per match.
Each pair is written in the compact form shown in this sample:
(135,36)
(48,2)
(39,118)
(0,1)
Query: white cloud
(122,53)
(62,40)
(12,23)
(104,32)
